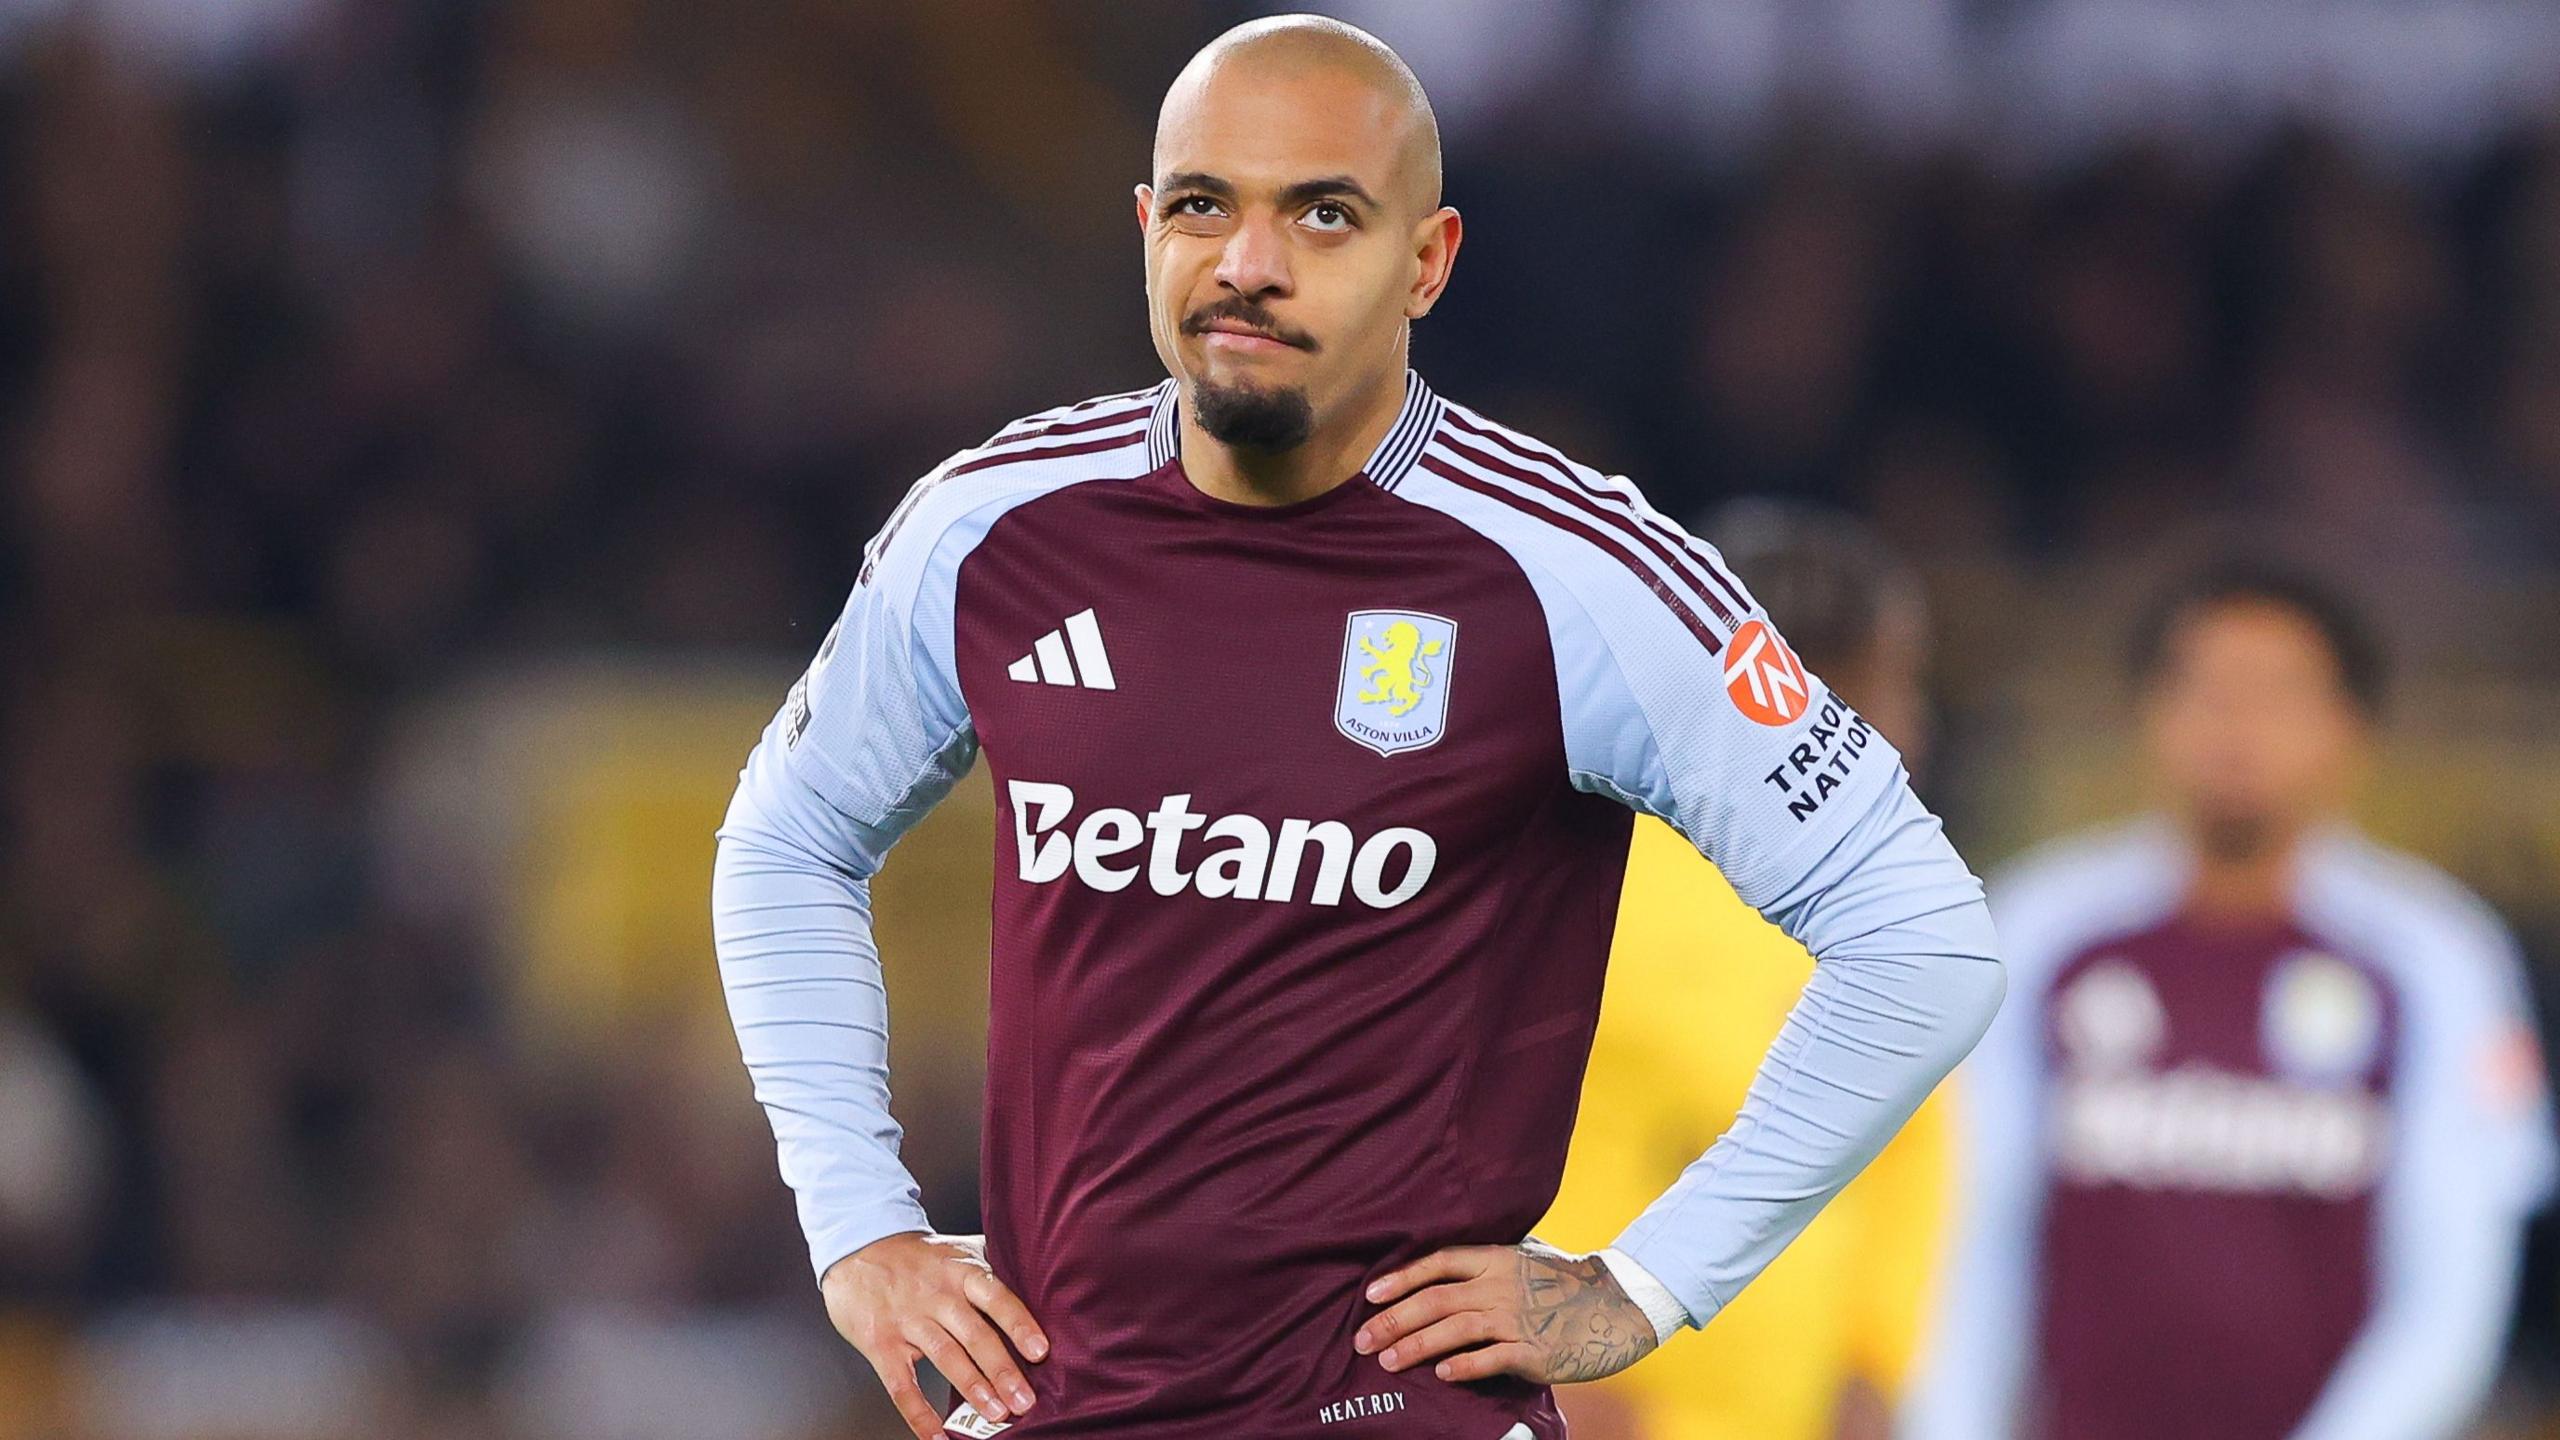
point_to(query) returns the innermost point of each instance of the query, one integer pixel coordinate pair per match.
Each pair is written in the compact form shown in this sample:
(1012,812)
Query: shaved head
(1294,233)
(1288,47)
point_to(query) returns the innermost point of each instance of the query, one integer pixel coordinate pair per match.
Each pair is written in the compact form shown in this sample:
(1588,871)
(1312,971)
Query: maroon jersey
(1314,822)
(2209,1232)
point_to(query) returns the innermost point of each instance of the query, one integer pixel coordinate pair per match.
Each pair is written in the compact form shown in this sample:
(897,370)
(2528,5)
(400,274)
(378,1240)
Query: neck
(2251,882)
(1341,444)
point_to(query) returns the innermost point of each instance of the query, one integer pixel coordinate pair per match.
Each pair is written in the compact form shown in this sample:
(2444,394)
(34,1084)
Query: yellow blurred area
(612,922)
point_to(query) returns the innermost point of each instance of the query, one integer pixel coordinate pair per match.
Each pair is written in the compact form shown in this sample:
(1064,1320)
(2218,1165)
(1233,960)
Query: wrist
(1661,1308)
(871,1249)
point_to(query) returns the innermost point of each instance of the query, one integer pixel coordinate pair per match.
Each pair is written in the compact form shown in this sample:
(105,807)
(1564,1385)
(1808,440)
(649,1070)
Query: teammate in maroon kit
(2252,1148)
(1318,706)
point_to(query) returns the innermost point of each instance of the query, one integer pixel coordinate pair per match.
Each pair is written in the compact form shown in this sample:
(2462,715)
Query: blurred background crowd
(434,431)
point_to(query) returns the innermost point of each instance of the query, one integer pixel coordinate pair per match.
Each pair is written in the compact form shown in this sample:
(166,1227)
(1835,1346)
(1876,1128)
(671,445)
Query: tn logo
(1395,671)
(1764,677)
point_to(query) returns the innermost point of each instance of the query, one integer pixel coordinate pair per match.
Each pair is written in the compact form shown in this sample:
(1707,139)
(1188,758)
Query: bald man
(1320,707)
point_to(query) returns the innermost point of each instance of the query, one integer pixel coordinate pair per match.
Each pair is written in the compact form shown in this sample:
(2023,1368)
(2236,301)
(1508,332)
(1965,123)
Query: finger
(1012,1316)
(953,1361)
(986,1349)
(1432,1302)
(1511,1358)
(1458,1332)
(1458,1262)
(899,1379)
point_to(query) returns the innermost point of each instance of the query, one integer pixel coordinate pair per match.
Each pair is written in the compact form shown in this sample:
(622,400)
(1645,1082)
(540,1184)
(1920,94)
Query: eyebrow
(1328,187)
(1304,191)
(1200,180)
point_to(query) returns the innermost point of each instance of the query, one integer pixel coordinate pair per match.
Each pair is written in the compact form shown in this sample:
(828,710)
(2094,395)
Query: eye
(1192,205)
(1329,216)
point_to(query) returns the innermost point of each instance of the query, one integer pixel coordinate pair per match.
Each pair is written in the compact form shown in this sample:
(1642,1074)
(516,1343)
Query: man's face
(1285,250)
(2250,726)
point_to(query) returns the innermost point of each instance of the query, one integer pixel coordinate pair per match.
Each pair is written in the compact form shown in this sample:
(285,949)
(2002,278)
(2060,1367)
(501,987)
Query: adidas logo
(1049,663)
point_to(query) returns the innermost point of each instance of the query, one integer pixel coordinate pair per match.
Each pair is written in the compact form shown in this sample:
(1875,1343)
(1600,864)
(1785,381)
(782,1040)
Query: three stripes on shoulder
(1049,662)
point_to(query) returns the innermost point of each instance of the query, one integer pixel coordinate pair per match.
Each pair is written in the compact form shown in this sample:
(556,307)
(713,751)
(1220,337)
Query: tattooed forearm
(1577,1317)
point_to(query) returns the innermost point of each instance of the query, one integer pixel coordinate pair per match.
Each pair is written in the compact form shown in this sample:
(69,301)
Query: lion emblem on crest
(1396,671)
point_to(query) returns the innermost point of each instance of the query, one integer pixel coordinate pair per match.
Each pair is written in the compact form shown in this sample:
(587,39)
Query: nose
(1255,262)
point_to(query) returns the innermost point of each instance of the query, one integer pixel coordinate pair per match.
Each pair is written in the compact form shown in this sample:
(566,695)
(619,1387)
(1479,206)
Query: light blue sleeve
(2472,1159)
(1814,822)
(868,741)
(1904,981)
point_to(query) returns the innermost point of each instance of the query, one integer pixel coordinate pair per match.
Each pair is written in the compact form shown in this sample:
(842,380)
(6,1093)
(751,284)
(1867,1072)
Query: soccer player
(1319,708)
(2252,1147)
(1698,985)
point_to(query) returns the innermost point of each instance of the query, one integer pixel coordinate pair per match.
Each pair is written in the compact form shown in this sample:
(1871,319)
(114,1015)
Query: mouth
(1233,334)
(1240,341)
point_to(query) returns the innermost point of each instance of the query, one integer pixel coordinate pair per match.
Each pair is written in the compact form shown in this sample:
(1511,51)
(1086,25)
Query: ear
(1435,253)
(1146,198)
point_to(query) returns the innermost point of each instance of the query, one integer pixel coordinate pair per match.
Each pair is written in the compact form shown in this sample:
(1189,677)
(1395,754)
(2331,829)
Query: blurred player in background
(1698,986)
(2250,1153)
(1320,705)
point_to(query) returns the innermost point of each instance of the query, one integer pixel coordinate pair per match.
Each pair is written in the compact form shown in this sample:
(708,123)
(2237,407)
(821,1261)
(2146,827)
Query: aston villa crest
(1394,690)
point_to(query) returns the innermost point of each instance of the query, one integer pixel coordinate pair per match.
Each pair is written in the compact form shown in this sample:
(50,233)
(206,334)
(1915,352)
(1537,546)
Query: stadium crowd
(353,355)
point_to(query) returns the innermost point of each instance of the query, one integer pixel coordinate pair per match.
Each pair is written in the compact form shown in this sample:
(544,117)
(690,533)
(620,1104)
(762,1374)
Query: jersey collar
(1387,465)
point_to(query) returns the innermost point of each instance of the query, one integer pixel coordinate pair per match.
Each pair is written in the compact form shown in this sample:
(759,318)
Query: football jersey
(2241,1179)
(1313,822)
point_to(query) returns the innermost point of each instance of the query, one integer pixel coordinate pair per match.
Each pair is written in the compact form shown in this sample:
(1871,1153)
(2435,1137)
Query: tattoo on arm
(1573,1312)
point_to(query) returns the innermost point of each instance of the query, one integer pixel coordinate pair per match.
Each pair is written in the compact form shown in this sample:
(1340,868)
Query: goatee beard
(1271,421)
(2235,839)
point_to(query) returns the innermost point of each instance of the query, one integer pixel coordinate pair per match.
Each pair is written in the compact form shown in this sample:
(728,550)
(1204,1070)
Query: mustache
(1242,311)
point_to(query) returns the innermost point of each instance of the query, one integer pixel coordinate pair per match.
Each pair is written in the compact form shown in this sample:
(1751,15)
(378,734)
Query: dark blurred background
(434,431)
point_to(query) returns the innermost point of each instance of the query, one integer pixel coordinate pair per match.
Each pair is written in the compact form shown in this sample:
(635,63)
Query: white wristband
(1651,1296)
